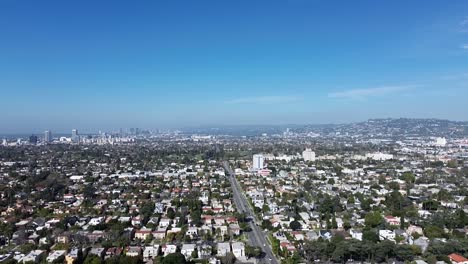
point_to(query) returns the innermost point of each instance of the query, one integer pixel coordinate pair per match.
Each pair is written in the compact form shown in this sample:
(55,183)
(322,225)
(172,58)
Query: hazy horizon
(85,130)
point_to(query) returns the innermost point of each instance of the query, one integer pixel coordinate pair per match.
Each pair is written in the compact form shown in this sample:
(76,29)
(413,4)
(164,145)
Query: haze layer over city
(221,132)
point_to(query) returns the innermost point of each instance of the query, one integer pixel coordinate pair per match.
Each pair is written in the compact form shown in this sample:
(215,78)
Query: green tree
(174,258)
(404,253)
(373,219)
(228,259)
(334,224)
(394,186)
(171,213)
(295,225)
(384,250)
(434,232)
(370,235)
(92,259)
(266,224)
(452,164)
(194,254)
(408,177)
(252,252)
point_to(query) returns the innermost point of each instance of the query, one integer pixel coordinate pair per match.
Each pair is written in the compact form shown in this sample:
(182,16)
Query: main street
(256,236)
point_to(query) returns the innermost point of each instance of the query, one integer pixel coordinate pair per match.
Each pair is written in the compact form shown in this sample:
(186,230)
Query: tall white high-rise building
(47,136)
(308,155)
(74,136)
(257,162)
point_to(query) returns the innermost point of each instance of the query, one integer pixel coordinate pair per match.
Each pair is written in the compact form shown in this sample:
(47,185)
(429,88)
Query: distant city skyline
(192,129)
(155,65)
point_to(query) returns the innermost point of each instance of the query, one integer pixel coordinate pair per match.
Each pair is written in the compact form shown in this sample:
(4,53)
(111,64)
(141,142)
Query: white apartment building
(257,162)
(308,155)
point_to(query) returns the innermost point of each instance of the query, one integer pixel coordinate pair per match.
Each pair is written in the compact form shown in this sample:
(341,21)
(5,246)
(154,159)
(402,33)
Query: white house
(187,250)
(169,249)
(33,256)
(164,222)
(54,255)
(238,249)
(96,221)
(339,223)
(150,252)
(133,251)
(387,235)
(356,234)
(223,249)
(204,250)
(192,231)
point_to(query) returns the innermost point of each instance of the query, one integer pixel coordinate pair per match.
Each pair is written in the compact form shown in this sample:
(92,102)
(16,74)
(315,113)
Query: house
(99,251)
(42,241)
(124,219)
(422,242)
(33,238)
(153,220)
(355,234)
(204,250)
(169,249)
(143,233)
(95,221)
(56,255)
(164,222)
(207,219)
(187,250)
(238,249)
(33,256)
(457,259)
(392,220)
(113,251)
(214,261)
(312,235)
(287,246)
(298,236)
(219,220)
(150,252)
(235,229)
(159,234)
(414,229)
(231,220)
(95,236)
(420,261)
(136,221)
(387,235)
(258,201)
(325,234)
(62,239)
(133,251)
(223,230)
(72,255)
(38,223)
(159,208)
(339,223)
(192,232)
(223,249)
(174,230)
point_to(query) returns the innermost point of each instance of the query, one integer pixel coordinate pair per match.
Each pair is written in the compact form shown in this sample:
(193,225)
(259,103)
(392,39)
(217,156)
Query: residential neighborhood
(288,198)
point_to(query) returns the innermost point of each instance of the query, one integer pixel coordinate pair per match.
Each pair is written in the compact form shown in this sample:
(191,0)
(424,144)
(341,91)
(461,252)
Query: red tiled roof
(457,258)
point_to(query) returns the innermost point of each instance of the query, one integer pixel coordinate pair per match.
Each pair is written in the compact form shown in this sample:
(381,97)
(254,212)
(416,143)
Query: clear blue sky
(155,64)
